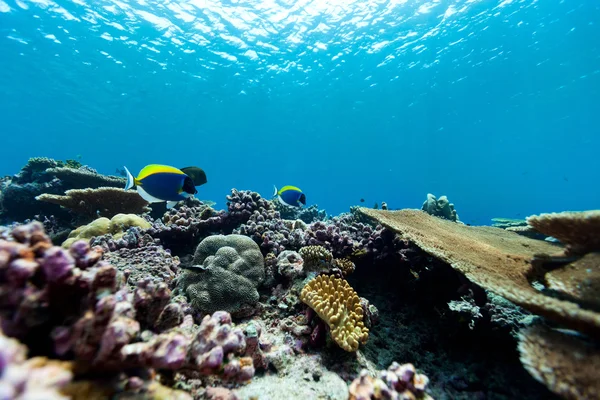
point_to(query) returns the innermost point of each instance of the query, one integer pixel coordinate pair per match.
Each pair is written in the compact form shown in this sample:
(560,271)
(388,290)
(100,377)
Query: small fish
(362,200)
(197,174)
(290,196)
(157,183)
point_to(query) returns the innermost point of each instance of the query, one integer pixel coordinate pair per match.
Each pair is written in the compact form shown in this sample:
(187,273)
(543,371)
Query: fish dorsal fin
(171,204)
(149,198)
(285,188)
(156,169)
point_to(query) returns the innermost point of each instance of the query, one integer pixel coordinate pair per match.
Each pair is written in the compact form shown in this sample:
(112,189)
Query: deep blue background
(497,105)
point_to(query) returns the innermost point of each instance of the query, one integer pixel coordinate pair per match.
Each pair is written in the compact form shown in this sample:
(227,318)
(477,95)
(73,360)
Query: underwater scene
(299,199)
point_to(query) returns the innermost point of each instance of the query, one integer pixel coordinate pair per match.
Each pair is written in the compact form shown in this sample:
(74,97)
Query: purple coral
(36,378)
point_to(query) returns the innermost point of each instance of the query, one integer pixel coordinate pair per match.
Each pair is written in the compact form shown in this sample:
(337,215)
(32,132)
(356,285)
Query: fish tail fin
(130,179)
(275,190)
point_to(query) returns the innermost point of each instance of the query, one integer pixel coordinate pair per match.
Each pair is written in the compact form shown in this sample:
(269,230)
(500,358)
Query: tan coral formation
(578,231)
(117,226)
(567,365)
(493,258)
(103,201)
(579,279)
(337,304)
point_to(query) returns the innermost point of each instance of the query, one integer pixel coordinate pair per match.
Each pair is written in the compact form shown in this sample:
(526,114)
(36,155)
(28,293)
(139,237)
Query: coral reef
(316,258)
(43,175)
(397,382)
(557,360)
(73,303)
(578,231)
(149,260)
(345,265)
(339,306)
(306,214)
(439,207)
(492,258)
(290,264)
(182,227)
(225,274)
(103,201)
(117,226)
(35,378)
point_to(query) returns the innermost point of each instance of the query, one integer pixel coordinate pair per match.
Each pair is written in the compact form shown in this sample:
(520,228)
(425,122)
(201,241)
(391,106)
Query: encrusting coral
(567,365)
(116,226)
(336,303)
(103,201)
(578,231)
(492,258)
(225,274)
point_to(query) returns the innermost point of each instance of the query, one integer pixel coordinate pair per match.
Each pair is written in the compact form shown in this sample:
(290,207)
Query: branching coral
(339,306)
(316,258)
(187,223)
(225,275)
(103,201)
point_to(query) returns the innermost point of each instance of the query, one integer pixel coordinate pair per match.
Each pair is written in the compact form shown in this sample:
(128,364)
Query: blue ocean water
(492,103)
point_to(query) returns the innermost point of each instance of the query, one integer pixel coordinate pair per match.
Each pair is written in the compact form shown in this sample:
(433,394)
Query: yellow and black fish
(290,196)
(197,174)
(157,183)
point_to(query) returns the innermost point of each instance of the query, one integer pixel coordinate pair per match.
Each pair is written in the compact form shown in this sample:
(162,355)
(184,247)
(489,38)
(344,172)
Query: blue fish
(290,196)
(157,183)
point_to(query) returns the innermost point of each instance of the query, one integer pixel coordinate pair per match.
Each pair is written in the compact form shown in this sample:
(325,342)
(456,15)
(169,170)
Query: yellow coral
(339,306)
(116,226)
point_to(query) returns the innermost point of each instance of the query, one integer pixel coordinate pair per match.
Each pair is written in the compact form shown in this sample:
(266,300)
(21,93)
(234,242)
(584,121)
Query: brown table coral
(579,231)
(338,305)
(103,201)
(567,365)
(492,258)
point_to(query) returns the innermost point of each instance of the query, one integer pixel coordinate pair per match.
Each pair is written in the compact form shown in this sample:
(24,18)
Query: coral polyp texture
(339,306)
(225,274)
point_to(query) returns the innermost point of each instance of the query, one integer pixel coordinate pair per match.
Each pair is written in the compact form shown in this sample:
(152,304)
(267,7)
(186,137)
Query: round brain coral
(225,275)
(338,305)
